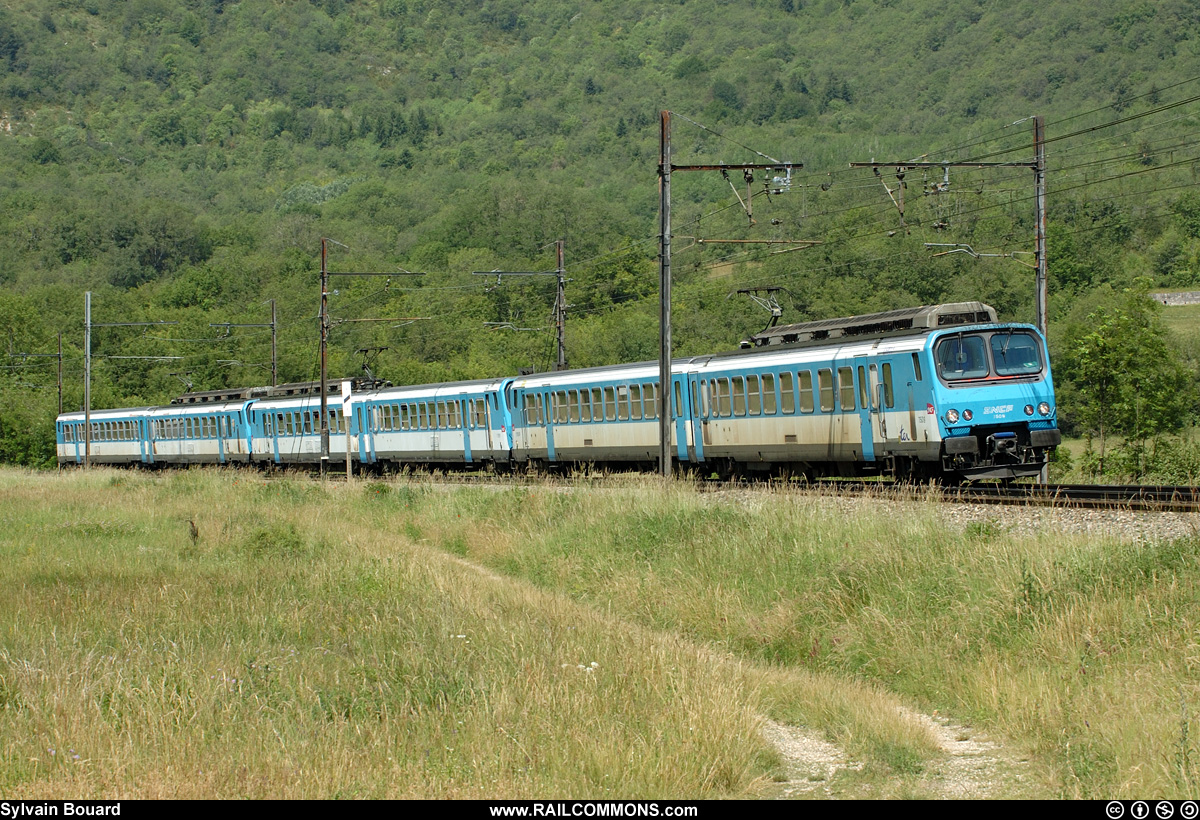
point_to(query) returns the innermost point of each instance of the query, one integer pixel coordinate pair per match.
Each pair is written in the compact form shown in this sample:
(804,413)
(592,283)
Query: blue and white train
(918,393)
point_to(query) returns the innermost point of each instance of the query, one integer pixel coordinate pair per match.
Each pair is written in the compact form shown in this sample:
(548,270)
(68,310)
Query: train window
(753,396)
(610,404)
(888,399)
(651,398)
(481,412)
(846,387)
(873,387)
(768,391)
(456,414)
(917,365)
(825,382)
(739,396)
(530,411)
(722,394)
(289,424)
(961,357)
(805,389)
(541,410)
(306,420)
(585,405)
(622,402)
(443,415)
(597,405)
(678,401)
(635,402)
(1016,354)
(863,387)
(787,399)
(695,402)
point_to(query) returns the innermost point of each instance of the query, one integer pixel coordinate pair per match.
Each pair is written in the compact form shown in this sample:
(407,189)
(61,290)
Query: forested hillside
(182,159)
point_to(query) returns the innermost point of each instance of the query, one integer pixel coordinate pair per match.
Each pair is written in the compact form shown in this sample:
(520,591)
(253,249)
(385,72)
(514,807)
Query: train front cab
(994,401)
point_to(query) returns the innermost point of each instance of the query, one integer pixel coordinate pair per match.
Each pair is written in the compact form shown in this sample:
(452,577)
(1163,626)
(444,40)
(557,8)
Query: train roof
(333,387)
(874,325)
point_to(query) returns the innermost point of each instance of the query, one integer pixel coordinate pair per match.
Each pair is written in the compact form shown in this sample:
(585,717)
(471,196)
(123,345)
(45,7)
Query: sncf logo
(999,408)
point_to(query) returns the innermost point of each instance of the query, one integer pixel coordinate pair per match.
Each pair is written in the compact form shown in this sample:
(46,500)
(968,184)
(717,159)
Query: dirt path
(972,767)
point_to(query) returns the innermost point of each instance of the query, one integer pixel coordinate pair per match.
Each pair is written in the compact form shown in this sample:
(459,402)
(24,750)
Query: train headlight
(968,415)
(1044,408)
(952,416)
(1029,409)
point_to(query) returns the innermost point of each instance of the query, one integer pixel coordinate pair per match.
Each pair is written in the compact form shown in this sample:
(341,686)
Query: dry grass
(403,639)
(310,641)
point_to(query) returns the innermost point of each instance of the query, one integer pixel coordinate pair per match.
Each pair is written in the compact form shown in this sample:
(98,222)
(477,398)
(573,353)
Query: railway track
(1091,496)
(1161,498)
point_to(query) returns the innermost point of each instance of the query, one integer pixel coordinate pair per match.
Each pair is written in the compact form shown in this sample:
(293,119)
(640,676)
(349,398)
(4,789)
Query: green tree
(1128,380)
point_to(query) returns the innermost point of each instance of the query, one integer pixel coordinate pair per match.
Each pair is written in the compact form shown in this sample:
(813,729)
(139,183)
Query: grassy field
(399,639)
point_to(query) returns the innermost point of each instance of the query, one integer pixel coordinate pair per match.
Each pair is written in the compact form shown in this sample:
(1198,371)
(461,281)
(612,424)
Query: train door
(359,426)
(273,441)
(143,433)
(680,426)
(695,419)
(487,423)
(867,406)
(466,420)
(549,421)
(879,393)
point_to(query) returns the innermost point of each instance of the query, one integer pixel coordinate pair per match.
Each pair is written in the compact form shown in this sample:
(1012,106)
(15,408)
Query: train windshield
(962,357)
(1016,354)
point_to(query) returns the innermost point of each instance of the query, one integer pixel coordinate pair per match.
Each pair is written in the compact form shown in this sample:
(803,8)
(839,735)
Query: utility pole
(560,298)
(560,306)
(324,358)
(274,347)
(87,380)
(324,322)
(1039,171)
(665,167)
(664,296)
(274,361)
